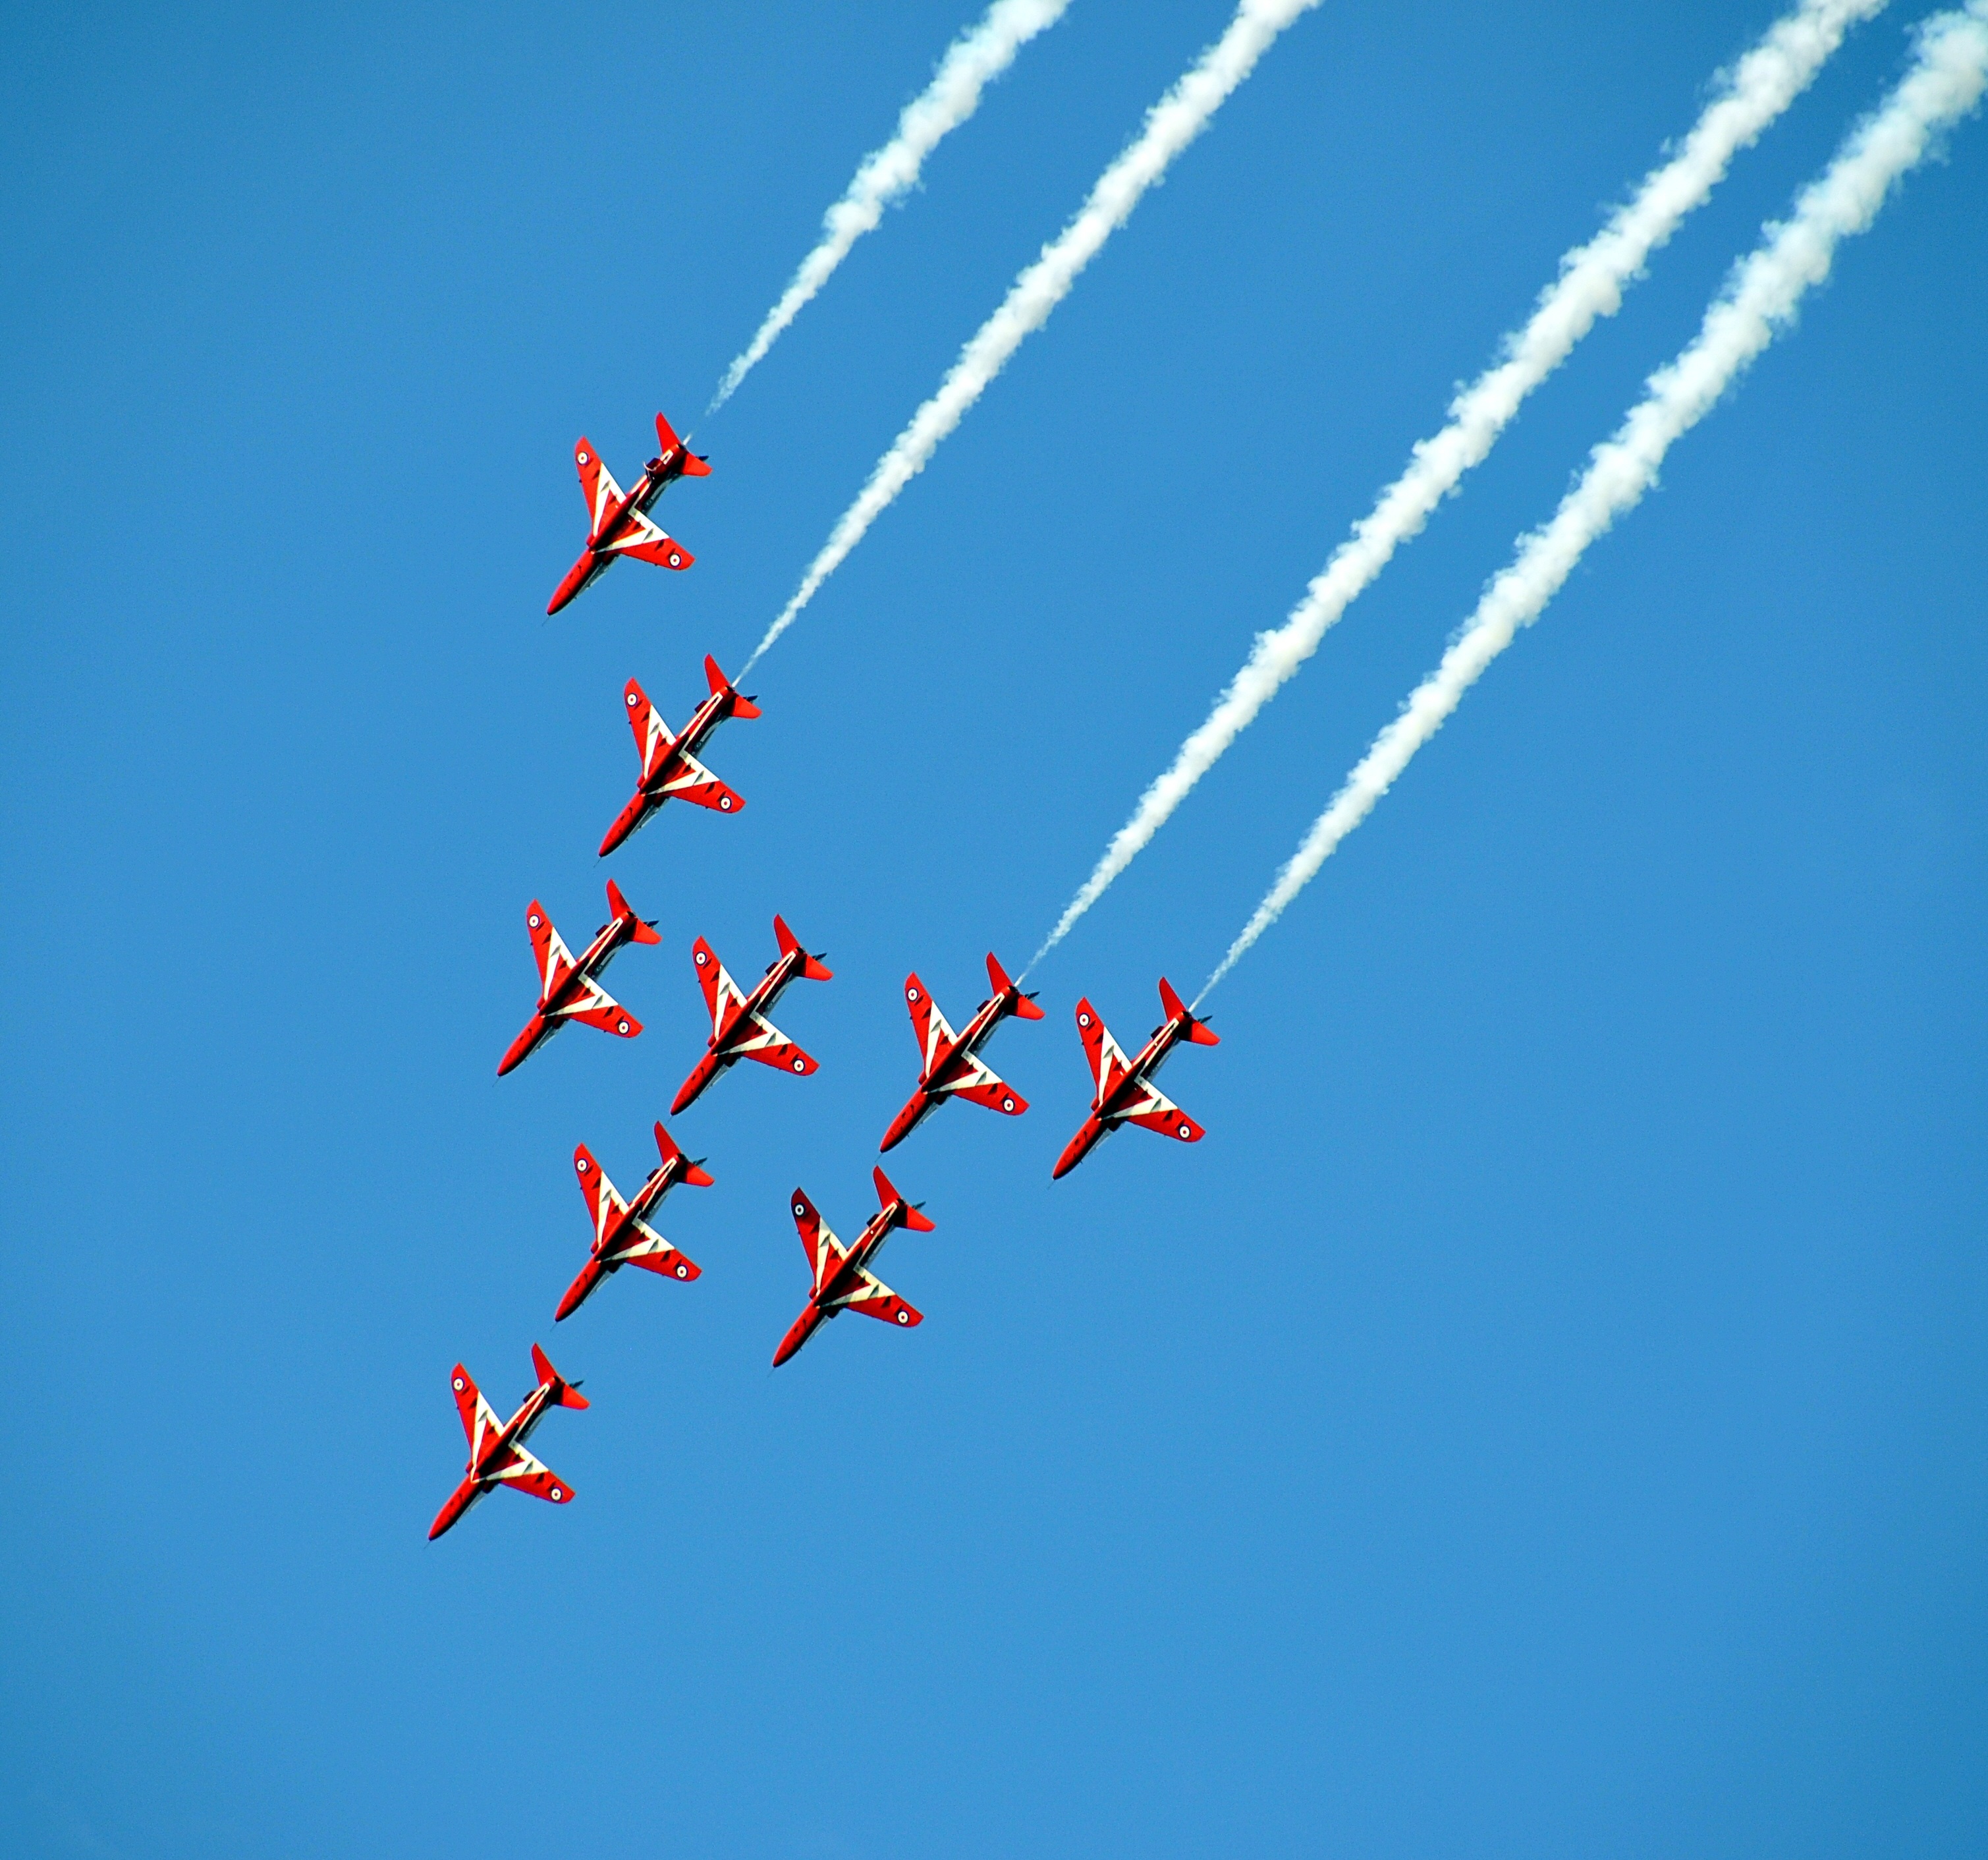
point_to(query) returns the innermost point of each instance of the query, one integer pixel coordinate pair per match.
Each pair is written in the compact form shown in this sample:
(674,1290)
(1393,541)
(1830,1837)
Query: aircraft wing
(596,485)
(695,783)
(1155,1111)
(927,1022)
(758,1038)
(555,960)
(603,1199)
(641,1245)
(875,1299)
(824,1251)
(653,740)
(1108,1063)
(479,1418)
(646,542)
(523,1473)
(722,997)
(596,1008)
(989,1088)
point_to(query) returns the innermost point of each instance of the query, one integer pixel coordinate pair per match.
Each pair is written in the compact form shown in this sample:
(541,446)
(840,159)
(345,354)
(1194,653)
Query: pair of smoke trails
(1170,125)
(972,62)
(1748,100)
(1945,82)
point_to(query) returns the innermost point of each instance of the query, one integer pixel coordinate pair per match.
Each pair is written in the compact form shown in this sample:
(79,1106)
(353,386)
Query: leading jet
(618,521)
(622,1235)
(568,989)
(949,1065)
(739,1028)
(842,1279)
(497,1455)
(670,767)
(1126,1093)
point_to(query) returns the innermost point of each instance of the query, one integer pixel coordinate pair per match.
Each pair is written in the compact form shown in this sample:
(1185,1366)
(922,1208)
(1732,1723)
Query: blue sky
(1544,1418)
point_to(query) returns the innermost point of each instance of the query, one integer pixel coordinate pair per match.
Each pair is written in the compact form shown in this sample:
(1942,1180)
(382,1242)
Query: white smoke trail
(1753,94)
(1171,125)
(1945,83)
(972,62)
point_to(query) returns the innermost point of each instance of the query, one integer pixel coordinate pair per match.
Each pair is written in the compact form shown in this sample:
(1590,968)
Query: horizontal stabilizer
(812,969)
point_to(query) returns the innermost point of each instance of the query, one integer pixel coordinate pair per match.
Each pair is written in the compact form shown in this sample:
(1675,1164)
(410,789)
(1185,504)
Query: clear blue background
(1545,1417)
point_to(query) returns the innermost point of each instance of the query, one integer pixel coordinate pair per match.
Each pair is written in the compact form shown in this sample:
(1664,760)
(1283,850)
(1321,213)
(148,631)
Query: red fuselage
(657,475)
(654,789)
(722,1046)
(949,1066)
(820,1305)
(1107,1109)
(608,942)
(481,1470)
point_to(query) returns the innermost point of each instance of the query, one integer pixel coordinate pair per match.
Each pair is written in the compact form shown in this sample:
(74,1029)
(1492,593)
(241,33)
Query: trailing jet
(670,767)
(949,1065)
(1126,1093)
(568,990)
(497,1455)
(842,1279)
(618,521)
(739,1028)
(622,1235)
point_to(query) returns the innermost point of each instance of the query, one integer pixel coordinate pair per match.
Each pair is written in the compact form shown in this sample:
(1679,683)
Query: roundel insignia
(458,1384)
(534,919)
(724,803)
(676,560)
(583,1166)
(631,700)
(800,1065)
(582,458)
(800,1209)
(557,1495)
(700,958)
(1187,1129)
(910,994)
(904,1318)
(1007,1104)
(1084,1020)
(683,1271)
(620,1026)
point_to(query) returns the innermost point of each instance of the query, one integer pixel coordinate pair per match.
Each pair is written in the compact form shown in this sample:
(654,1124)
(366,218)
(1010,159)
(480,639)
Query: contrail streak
(1753,94)
(1171,125)
(972,62)
(1758,301)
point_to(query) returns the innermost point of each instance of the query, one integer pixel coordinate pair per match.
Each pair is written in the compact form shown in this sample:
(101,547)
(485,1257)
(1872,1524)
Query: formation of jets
(950,1063)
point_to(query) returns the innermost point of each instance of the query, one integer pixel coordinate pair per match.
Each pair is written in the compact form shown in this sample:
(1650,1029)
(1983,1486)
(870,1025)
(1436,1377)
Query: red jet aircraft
(949,1066)
(842,1281)
(497,1455)
(622,1235)
(567,989)
(669,763)
(1126,1093)
(618,521)
(739,1028)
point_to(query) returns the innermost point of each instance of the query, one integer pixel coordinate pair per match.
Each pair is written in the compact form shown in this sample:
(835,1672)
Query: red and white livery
(570,989)
(622,1235)
(618,521)
(842,1279)
(1126,1093)
(739,1028)
(497,1455)
(949,1064)
(671,769)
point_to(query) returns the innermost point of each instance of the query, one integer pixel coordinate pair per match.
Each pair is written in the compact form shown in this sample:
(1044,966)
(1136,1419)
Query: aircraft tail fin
(564,1392)
(667,1147)
(997,977)
(642,931)
(742,706)
(811,967)
(667,441)
(1198,1031)
(886,1193)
